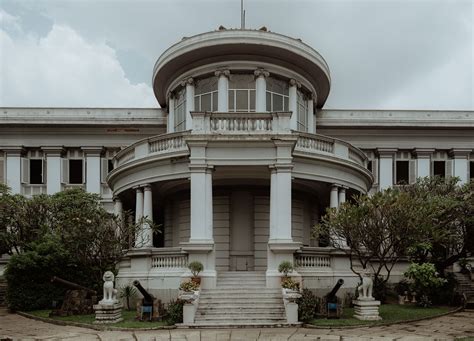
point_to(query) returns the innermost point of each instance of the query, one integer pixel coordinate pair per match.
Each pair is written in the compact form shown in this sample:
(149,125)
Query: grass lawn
(128,319)
(388,312)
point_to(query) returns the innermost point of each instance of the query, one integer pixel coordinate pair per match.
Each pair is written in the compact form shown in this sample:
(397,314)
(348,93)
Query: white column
(342,195)
(423,161)
(280,204)
(147,234)
(461,163)
(333,199)
(222,90)
(201,204)
(293,103)
(53,168)
(261,90)
(93,169)
(171,114)
(138,215)
(386,167)
(189,102)
(311,118)
(13,168)
(118,212)
(273,203)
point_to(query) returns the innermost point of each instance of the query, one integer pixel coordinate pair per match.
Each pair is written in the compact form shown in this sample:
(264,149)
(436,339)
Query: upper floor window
(277,95)
(205,98)
(439,168)
(76,171)
(402,173)
(36,171)
(241,93)
(302,111)
(180,110)
(471,170)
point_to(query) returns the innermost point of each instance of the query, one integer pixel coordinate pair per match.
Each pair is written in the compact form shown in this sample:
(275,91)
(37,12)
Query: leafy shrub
(288,283)
(189,286)
(174,313)
(128,292)
(28,275)
(195,267)
(285,268)
(425,281)
(307,306)
(380,290)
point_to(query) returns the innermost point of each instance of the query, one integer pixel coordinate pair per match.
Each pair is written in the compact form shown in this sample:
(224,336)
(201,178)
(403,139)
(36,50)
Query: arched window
(241,93)
(277,94)
(205,98)
(180,110)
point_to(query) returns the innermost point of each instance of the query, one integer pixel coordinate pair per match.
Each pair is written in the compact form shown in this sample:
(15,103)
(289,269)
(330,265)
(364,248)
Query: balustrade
(167,143)
(315,143)
(169,261)
(312,261)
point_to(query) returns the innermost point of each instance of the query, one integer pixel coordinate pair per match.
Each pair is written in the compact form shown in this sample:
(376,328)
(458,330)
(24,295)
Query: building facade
(237,165)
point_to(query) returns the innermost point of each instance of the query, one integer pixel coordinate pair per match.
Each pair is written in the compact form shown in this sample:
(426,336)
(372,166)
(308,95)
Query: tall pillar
(342,195)
(139,216)
(93,184)
(386,167)
(461,163)
(13,168)
(261,90)
(147,235)
(333,199)
(189,83)
(222,90)
(118,212)
(171,114)
(293,103)
(423,161)
(311,118)
(53,168)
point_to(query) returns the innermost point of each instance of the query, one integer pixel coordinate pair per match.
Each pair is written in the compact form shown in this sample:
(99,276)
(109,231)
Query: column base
(279,251)
(202,251)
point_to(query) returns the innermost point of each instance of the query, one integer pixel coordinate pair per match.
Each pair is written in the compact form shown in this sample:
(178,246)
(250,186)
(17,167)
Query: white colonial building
(238,164)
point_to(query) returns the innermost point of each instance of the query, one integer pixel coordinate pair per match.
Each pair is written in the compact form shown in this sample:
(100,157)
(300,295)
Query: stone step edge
(237,325)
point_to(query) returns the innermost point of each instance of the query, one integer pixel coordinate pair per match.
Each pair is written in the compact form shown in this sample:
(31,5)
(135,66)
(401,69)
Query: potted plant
(290,284)
(196,267)
(189,286)
(285,268)
(402,288)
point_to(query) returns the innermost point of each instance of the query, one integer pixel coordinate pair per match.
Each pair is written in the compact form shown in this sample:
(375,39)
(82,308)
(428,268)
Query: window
(471,170)
(76,172)
(110,165)
(242,93)
(439,168)
(302,112)
(402,172)
(205,98)
(369,166)
(277,95)
(180,110)
(36,171)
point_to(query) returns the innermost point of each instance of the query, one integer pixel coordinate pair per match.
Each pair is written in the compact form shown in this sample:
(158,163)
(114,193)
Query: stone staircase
(466,287)
(240,299)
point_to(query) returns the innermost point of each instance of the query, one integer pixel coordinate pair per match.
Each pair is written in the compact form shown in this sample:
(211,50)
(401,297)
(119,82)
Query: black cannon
(332,302)
(148,305)
(78,300)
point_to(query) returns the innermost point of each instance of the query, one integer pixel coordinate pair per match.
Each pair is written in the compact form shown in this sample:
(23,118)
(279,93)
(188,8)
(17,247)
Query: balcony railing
(312,259)
(169,258)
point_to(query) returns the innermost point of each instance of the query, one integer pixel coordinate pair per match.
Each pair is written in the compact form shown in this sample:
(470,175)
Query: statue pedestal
(108,313)
(367,309)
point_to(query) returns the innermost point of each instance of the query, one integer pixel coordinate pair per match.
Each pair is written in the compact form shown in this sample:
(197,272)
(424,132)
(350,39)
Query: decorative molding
(187,81)
(222,72)
(294,82)
(261,73)
(423,153)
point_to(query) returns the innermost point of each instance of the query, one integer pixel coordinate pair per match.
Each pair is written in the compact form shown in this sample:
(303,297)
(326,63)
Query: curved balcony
(239,139)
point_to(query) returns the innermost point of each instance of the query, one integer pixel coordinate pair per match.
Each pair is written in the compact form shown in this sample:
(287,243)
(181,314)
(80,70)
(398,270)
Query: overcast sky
(398,54)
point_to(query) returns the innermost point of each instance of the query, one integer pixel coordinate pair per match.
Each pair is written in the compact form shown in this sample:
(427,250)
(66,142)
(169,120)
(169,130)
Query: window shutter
(412,171)
(65,171)
(84,175)
(25,170)
(43,171)
(449,168)
(375,170)
(104,169)
(2,171)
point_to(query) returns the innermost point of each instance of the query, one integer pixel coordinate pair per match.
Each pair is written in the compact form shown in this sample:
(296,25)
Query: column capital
(93,150)
(386,152)
(423,153)
(138,188)
(294,82)
(261,73)
(460,153)
(222,72)
(335,187)
(53,150)
(281,167)
(146,187)
(13,150)
(187,81)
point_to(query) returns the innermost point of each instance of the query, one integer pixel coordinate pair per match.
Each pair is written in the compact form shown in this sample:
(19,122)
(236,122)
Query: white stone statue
(110,294)
(365,288)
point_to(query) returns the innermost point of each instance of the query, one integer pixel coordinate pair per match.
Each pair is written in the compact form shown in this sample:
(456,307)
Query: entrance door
(241,231)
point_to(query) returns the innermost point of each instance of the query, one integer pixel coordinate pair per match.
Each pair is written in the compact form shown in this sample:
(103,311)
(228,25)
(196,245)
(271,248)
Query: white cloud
(63,69)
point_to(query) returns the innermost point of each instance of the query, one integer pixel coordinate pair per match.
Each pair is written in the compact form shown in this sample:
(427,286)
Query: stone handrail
(167,143)
(312,142)
(312,260)
(169,258)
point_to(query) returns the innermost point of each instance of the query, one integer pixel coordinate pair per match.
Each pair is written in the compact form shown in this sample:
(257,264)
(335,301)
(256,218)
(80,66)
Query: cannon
(78,300)
(148,305)
(332,303)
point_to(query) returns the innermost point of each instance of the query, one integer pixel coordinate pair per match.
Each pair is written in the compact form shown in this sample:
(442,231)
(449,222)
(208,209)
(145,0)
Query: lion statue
(110,294)
(366,286)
